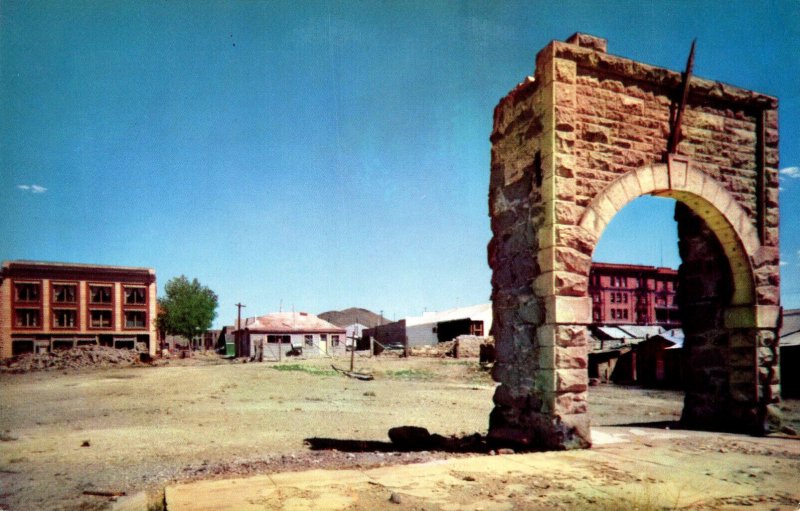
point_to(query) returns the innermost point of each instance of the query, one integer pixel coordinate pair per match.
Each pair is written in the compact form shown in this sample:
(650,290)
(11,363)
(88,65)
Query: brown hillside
(352,315)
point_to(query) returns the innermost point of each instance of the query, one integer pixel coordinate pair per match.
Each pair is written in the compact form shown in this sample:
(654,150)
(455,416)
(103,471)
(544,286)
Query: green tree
(187,309)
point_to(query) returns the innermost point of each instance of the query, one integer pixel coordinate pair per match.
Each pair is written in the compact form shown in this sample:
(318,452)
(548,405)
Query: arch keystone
(678,166)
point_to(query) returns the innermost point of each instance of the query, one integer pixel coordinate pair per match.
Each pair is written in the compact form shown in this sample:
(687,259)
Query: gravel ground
(137,428)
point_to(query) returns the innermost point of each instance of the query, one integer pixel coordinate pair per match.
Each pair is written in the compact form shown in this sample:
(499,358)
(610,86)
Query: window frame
(75,316)
(55,288)
(37,283)
(37,326)
(90,319)
(92,285)
(125,301)
(125,313)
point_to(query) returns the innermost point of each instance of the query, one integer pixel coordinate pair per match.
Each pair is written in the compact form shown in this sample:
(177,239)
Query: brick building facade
(627,294)
(46,306)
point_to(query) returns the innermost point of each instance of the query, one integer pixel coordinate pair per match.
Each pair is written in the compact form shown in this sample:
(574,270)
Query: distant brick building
(627,294)
(46,306)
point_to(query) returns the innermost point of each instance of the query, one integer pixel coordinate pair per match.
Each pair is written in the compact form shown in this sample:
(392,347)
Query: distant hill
(353,315)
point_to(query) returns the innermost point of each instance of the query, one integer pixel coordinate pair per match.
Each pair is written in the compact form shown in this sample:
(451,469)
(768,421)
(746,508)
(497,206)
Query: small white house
(289,332)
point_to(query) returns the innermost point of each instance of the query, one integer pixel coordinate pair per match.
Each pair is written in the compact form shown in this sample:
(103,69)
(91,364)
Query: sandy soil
(138,428)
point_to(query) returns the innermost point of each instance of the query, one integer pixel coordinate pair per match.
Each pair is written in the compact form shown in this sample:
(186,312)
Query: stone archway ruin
(573,145)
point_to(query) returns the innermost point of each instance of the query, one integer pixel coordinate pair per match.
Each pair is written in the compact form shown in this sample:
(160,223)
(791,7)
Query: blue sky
(322,155)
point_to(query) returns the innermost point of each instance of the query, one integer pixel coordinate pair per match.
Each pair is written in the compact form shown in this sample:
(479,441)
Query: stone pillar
(730,352)
(541,264)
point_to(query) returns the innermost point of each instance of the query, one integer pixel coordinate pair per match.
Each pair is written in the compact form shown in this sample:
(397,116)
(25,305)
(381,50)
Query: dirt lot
(137,428)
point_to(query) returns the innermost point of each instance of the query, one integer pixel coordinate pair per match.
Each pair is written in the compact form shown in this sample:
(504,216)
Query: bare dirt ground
(138,428)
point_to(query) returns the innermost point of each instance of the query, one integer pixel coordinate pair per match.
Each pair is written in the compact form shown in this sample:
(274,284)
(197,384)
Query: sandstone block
(565,165)
(570,403)
(572,260)
(573,431)
(565,95)
(572,380)
(570,284)
(568,310)
(588,41)
(565,70)
(768,295)
(592,222)
(576,238)
(596,133)
(768,376)
(567,213)
(767,356)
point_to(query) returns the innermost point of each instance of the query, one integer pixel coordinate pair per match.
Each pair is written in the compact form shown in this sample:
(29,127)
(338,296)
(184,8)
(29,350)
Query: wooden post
(239,330)
(352,352)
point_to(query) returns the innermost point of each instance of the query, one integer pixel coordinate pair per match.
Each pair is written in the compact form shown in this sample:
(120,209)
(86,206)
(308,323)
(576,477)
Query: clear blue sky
(323,155)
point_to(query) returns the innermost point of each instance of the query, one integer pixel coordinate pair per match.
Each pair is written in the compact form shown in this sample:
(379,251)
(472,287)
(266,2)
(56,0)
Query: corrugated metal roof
(289,322)
(613,332)
(641,331)
(790,340)
(675,336)
(791,322)
(470,312)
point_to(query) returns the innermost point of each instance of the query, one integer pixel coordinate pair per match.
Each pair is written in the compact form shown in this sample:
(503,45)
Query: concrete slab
(638,467)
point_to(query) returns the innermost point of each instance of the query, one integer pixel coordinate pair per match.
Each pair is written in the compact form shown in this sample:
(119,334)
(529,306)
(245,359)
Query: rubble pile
(74,358)
(469,346)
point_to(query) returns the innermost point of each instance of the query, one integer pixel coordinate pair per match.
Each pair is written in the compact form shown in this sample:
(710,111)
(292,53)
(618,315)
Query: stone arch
(704,196)
(571,146)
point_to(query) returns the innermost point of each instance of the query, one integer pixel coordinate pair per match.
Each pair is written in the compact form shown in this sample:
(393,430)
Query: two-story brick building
(629,294)
(46,306)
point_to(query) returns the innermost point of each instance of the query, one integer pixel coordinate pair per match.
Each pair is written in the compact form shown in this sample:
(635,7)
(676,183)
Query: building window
(65,293)
(625,314)
(323,338)
(625,298)
(135,319)
(27,292)
(64,318)
(100,318)
(135,296)
(100,294)
(309,340)
(613,298)
(26,318)
(334,340)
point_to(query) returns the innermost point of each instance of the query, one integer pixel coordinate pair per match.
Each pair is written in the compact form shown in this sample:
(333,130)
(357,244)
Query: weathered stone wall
(571,146)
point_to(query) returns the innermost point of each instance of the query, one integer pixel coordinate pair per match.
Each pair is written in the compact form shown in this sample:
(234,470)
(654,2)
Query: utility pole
(239,329)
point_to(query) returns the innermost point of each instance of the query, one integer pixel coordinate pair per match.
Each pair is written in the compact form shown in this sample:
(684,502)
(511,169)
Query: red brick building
(628,294)
(46,306)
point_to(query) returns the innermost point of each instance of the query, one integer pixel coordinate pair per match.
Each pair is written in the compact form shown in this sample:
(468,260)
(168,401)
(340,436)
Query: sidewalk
(627,468)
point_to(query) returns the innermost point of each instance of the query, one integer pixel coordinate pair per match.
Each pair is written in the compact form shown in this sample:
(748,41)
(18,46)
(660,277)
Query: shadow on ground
(651,425)
(408,439)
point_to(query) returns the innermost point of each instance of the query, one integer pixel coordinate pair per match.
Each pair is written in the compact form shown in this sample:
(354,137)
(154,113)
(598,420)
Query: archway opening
(635,360)
(724,343)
